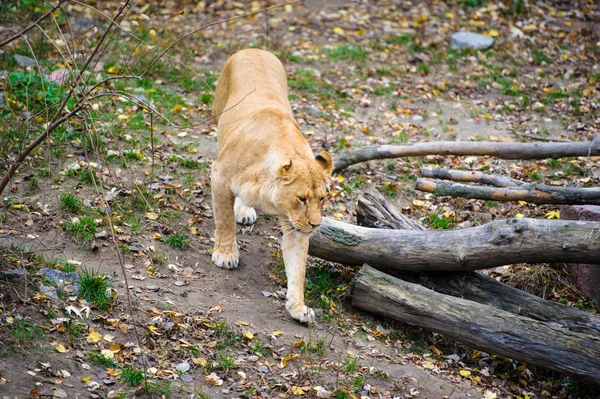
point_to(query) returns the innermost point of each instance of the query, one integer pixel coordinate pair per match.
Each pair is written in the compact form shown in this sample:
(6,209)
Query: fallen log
(530,192)
(500,150)
(501,242)
(469,176)
(546,344)
(475,286)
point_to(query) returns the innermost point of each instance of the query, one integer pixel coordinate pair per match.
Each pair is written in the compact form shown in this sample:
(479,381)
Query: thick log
(469,176)
(546,344)
(501,242)
(530,192)
(500,150)
(476,286)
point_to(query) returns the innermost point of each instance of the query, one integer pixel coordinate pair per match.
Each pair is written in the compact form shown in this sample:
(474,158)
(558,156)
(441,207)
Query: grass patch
(82,230)
(178,240)
(347,52)
(93,288)
(70,203)
(132,376)
(189,163)
(26,331)
(440,221)
(323,287)
(96,358)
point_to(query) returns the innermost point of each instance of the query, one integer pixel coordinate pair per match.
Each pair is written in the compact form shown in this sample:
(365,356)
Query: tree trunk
(500,150)
(530,192)
(501,242)
(546,344)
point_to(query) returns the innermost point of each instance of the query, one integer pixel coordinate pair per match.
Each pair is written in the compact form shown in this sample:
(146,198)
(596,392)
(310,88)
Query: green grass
(189,163)
(347,52)
(438,221)
(93,288)
(539,57)
(390,189)
(178,240)
(224,362)
(96,358)
(70,203)
(85,175)
(26,331)
(351,364)
(82,230)
(322,287)
(132,376)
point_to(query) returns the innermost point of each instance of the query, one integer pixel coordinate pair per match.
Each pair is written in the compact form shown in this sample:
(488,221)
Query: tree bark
(469,176)
(501,242)
(374,211)
(500,150)
(530,192)
(546,344)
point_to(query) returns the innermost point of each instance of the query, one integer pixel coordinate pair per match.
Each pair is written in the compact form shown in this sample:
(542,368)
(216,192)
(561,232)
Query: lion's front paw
(245,215)
(226,258)
(302,313)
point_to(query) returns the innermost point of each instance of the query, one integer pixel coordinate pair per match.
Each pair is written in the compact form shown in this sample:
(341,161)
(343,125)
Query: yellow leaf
(435,350)
(10,320)
(465,373)
(243,323)
(522,202)
(60,348)
(476,353)
(277,333)
(519,216)
(419,203)
(249,335)
(112,69)
(339,178)
(338,31)
(151,215)
(199,361)
(153,34)
(288,8)
(284,361)
(107,354)
(93,336)
(309,132)
(157,236)
(493,138)
(449,15)
(86,378)
(153,330)
(553,215)
(493,33)
(177,108)
(297,391)
(487,116)
(108,338)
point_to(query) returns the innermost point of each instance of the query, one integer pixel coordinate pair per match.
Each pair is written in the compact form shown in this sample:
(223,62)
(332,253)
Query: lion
(265,162)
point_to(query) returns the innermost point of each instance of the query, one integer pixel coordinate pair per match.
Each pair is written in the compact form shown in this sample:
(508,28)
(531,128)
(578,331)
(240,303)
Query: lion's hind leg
(243,213)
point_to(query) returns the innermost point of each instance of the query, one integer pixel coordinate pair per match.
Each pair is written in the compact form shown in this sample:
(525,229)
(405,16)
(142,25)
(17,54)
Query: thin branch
(31,26)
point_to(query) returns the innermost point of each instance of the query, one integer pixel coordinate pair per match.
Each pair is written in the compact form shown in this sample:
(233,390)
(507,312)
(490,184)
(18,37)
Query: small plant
(132,376)
(347,52)
(178,240)
(97,359)
(390,189)
(93,288)
(70,203)
(440,221)
(82,230)
(539,56)
(224,362)
(25,331)
(351,364)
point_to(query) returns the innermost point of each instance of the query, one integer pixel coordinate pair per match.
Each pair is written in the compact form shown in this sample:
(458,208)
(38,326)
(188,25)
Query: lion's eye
(302,199)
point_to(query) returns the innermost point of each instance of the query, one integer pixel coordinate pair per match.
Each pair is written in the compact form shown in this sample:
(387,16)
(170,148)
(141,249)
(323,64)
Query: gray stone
(50,292)
(13,275)
(2,99)
(460,40)
(3,75)
(56,275)
(417,118)
(24,61)
(142,98)
(59,76)
(585,277)
(311,110)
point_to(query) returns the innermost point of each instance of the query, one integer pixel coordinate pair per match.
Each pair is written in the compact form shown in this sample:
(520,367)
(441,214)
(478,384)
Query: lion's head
(301,191)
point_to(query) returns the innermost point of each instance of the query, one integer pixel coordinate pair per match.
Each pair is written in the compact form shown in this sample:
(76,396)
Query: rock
(142,99)
(56,276)
(311,110)
(2,99)
(59,76)
(50,292)
(24,61)
(417,118)
(585,277)
(460,40)
(3,75)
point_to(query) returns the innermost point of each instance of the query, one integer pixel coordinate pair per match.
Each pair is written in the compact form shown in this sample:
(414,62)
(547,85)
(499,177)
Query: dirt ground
(361,73)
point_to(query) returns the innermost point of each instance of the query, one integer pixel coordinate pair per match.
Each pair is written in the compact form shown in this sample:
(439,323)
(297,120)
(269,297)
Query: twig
(30,27)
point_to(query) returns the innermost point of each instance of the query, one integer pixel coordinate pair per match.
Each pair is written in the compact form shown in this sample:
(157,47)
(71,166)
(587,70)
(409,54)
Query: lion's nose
(314,226)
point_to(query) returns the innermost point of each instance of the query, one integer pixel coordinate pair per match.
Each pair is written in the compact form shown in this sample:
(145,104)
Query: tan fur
(265,162)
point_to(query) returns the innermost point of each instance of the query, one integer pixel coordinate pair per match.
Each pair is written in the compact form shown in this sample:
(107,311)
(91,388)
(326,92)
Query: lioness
(265,162)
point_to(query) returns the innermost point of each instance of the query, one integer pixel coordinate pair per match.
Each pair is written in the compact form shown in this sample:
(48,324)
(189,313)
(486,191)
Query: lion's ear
(325,161)
(284,169)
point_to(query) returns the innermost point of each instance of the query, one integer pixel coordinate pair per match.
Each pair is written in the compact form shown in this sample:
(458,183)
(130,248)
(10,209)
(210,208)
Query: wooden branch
(550,139)
(466,175)
(537,342)
(501,242)
(375,211)
(530,192)
(500,150)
